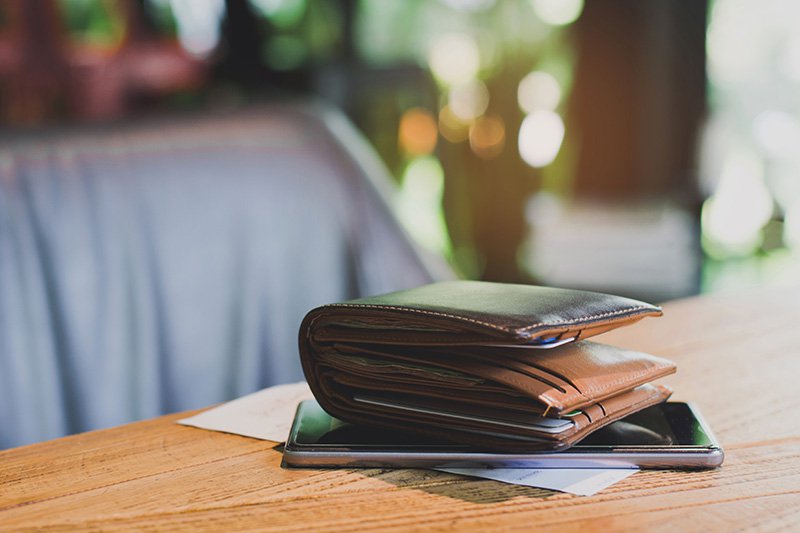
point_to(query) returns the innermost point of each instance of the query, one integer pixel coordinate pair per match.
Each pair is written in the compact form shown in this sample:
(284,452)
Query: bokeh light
(538,90)
(734,215)
(469,5)
(286,52)
(558,12)
(282,13)
(487,136)
(790,58)
(791,226)
(540,138)
(753,58)
(735,45)
(417,132)
(419,203)
(198,24)
(778,134)
(469,101)
(452,127)
(454,58)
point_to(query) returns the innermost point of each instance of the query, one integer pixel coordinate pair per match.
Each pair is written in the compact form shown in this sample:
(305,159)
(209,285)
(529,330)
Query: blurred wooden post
(34,67)
(638,99)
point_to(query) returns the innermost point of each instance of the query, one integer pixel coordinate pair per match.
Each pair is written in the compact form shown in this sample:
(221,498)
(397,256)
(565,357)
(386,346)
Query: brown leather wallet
(498,366)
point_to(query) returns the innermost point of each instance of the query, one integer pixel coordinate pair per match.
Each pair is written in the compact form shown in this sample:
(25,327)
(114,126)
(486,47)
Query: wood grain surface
(738,359)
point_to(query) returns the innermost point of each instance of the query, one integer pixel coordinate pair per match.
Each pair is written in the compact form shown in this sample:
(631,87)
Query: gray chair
(166,265)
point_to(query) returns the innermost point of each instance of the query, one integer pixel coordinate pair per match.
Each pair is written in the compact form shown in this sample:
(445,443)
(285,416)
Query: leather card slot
(531,383)
(502,376)
(448,409)
(528,365)
(453,360)
(522,406)
(478,394)
(481,390)
(416,418)
(375,366)
(400,378)
(599,370)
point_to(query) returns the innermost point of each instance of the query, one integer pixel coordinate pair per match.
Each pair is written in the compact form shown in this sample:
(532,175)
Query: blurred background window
(751,148)
(648,147)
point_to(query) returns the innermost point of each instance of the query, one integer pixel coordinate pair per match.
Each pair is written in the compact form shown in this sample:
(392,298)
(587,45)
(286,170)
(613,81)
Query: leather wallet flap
(473,311)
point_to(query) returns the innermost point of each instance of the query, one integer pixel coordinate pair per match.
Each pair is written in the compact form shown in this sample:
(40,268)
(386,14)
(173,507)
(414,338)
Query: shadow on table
(465,488)
(468,489)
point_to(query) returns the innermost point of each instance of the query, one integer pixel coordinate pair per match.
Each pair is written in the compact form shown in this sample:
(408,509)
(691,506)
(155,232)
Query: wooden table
(738,358)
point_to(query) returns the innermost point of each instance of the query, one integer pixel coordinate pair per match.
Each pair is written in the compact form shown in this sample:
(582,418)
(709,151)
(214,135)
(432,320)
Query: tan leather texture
(467,361)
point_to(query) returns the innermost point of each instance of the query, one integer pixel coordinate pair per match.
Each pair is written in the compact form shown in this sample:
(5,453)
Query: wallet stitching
(489,324)
(655,369)
(462,340)
(590,317)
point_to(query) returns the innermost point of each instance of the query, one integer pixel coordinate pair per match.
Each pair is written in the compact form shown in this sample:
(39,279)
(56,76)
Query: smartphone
(668,435)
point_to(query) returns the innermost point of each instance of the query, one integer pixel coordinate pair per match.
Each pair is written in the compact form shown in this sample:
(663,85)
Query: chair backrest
(163,266)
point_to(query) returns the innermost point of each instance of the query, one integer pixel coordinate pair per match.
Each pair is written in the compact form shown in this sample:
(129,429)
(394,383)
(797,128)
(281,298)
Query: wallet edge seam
(651,308)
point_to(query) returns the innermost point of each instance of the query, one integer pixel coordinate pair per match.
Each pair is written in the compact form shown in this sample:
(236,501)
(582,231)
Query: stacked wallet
(499,366)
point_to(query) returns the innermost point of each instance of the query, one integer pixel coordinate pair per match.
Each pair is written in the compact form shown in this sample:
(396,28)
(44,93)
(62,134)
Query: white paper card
(266,414)
(580,481)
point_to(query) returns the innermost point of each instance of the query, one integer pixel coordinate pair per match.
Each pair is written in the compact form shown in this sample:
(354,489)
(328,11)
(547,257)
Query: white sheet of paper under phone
(580,481)
(268,415)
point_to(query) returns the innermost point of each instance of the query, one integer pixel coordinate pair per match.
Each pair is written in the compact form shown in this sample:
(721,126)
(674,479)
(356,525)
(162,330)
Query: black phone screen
(666,424)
